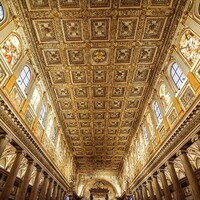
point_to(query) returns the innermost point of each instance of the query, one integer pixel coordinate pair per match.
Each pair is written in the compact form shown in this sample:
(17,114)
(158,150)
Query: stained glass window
(24,78)
(177,75)
(146,139)
(42,114)
(157,112)
(1,12)
(189,46)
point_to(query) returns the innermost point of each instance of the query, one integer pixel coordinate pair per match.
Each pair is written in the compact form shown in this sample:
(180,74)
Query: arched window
(189,46)
(11,50)
(42,114)
(157,112)
(24,78)
(177,75)
(164,96)
(146,139)
(2,14)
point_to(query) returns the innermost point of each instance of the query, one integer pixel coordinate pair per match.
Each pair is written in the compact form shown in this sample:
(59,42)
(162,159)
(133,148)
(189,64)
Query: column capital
(169,162)
(180,152)
(38,168)
(195,138)
(6,136)
(149,180)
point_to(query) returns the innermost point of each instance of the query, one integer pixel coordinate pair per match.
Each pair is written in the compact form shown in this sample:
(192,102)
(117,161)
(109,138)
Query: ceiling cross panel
(99,57)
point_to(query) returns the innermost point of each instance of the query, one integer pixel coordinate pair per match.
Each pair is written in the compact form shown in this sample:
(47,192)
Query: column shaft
(140,193)
(54,191)
(190,176)
(157,188)
(12,176)
(42,194)
(165,185)
(24,185)
(35,187)
(49,190)
(145,192)
(151,193)
(177,188)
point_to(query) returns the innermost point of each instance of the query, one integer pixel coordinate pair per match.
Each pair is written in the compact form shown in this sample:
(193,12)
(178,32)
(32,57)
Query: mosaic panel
(99,56)
(173,117)
(141,75)
(99,29)
(58,77)
(126,28)
(72,30)
(147,55)
(68,4)
(78,76)
(120,75)
(187,97)
(52,57)
(123,56)
(75,57)
(99,3)
(45,30)
(154,28)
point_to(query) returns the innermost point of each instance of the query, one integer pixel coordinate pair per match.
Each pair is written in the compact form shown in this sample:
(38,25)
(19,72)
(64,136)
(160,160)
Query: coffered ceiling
(99,58)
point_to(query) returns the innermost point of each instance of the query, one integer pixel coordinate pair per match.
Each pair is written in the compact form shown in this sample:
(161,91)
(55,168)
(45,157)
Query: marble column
(49,190)
(4,139)
(151,193)
(137,194)
(176,185)
(145,191)
(157,187)
(43,192)
(61,194)
(134,195)
(58,193)
(190,175)
(54,191)
(165,185)
(140,193)
(35,187)
(12,176)
(24,185)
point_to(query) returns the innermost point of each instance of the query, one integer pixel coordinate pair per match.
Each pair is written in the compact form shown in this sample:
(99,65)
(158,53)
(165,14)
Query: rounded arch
(91,182)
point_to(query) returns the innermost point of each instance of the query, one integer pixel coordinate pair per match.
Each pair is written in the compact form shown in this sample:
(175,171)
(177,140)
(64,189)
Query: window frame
(24,78)
(3,13)
(157,112)
(176,75)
